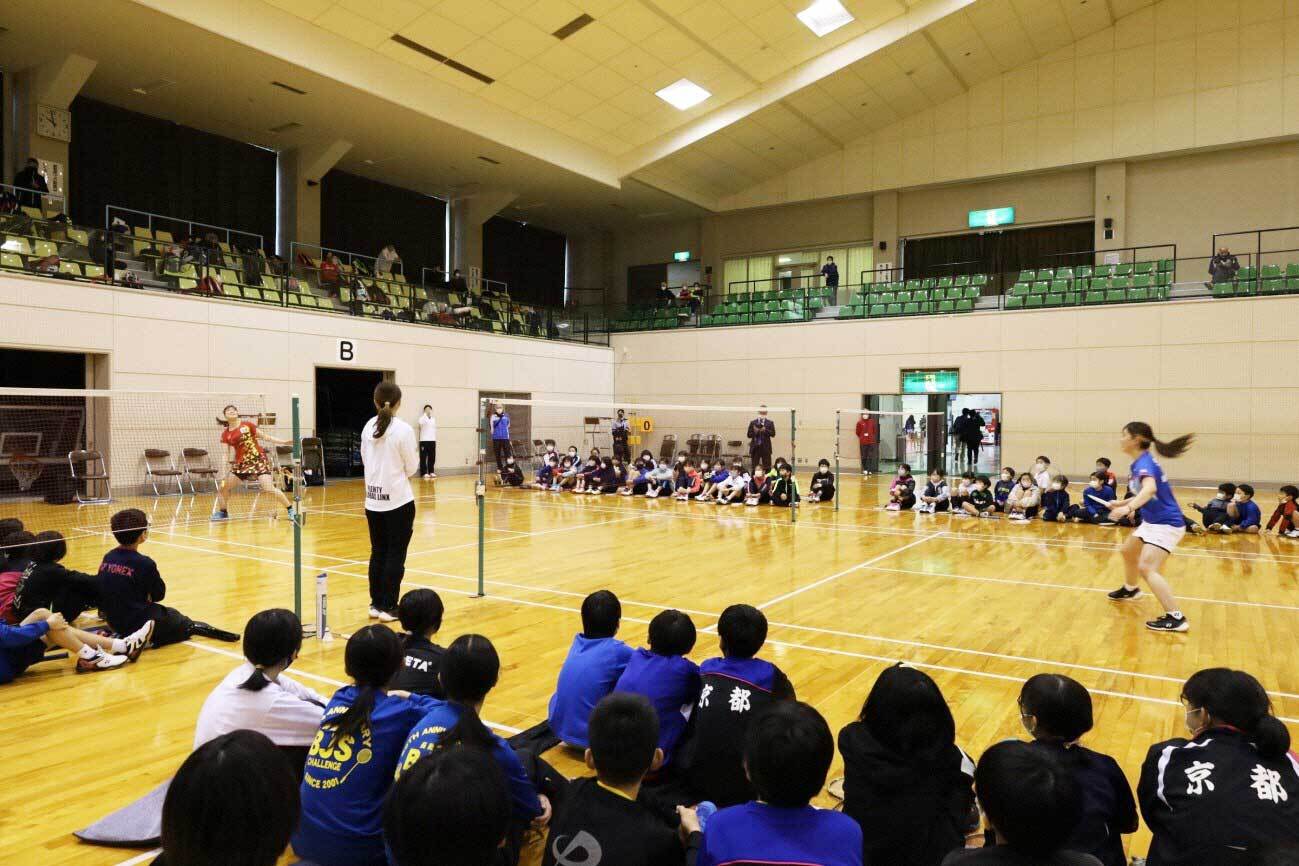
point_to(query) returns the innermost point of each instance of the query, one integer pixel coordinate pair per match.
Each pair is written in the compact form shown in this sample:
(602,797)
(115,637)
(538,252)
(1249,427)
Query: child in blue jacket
(1055,500)
(1093,507)
(663,674)
(595,661)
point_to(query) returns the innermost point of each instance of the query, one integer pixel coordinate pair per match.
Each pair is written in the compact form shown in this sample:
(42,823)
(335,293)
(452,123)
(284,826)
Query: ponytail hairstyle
(470,669)
(271,638)
(1142,432)
(373,655)
(386,397)
(221,421)
(1235,698)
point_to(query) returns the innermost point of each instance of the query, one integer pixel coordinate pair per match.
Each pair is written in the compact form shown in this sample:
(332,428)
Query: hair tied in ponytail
(386,395)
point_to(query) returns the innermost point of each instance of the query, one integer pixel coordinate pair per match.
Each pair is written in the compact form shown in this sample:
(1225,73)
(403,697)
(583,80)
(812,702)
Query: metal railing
(51,204)
(179,230)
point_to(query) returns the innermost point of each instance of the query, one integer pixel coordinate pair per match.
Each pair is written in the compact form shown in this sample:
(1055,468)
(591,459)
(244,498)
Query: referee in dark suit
(761,431)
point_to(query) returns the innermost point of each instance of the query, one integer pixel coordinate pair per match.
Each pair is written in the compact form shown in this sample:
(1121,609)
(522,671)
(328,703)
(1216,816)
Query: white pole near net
(845,424)
(667,430)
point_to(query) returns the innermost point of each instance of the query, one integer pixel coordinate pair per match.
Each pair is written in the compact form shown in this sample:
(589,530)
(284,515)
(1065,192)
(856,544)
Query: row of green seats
(1124,270)
(940,293)
(742,307)
(911,308)
(1078,284)
(1087,297)
(780,295)
(714,319)
(1267,286)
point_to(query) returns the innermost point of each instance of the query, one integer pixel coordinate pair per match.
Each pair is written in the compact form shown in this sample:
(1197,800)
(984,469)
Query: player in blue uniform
(1162,524)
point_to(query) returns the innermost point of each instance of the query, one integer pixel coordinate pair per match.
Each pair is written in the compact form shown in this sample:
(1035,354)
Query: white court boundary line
(787,596)
(807,647)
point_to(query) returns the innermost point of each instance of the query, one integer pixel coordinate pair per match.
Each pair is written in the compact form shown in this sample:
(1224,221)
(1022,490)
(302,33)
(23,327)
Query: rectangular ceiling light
(825,16)
(683,94)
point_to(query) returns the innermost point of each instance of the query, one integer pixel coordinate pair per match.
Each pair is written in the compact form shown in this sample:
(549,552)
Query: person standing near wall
(390,457)
(761,431)
(428,444)
(500,434)
(30,178)
(831,273)
(868,442)
(621,435)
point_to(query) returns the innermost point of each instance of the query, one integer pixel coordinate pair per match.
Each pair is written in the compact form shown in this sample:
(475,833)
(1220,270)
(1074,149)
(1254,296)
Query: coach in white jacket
(391,457)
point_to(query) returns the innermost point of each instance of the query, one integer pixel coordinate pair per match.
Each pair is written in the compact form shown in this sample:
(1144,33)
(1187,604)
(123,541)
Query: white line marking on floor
(823,581)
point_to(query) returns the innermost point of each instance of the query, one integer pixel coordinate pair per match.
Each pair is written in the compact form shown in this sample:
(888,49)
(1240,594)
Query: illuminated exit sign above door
(997,216)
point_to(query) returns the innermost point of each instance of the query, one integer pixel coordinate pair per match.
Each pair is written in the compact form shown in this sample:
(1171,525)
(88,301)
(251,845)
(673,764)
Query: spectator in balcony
(385,260)
(30,178)
(665,295)
(689,297)
(831,273)
(329,274)
(458,283)
(1223,266)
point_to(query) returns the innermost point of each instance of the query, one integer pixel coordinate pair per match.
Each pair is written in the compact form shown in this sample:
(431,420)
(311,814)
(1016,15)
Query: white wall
(161,342)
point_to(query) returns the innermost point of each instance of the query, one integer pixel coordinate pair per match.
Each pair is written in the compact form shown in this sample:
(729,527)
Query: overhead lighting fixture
(825,16)
(488,159)
(573,26)
(289,87)
(683,94)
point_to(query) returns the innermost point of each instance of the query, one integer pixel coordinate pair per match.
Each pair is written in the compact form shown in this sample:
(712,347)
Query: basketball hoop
(25,470)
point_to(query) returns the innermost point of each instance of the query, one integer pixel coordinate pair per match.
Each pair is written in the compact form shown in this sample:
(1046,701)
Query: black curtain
(529,258)
(1000,251)
(359,215)
(118,157)
(643,283)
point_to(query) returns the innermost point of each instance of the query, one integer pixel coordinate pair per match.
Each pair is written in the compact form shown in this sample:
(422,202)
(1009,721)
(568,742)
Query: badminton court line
(814,629)
(823,581)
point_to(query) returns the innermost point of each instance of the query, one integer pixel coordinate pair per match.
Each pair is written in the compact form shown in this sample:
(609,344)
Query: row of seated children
(40,597)
(1233,509)
(462,795)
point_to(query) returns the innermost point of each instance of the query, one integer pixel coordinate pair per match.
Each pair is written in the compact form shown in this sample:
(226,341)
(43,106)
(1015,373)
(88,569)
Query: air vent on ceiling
(573,26)
(441,58)
(290,88)
(285,127)
(489,159)
(152,86)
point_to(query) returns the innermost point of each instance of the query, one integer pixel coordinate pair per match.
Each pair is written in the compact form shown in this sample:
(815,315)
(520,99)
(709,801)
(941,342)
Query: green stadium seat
(884,298)
(979,280)
(1093,296)
(964,306)
(963,280)
(1121,283)
(1100,284)
(1116,295)
(1082,271)
(1041,287)
(762,318)
(1014,302)
(945,282)
(1026,276)
(1270,271)
(1222,290)
(1046,273)
(1292,284)
(1292,270)
(1123,270)
(1139,293)
(1164,278)
(893,310)
(1054,299)
(946,306)
(913,284)
(94,272)
(1103,271)
(1059,285)
(1064,274)
(847,311)
(903,296)
(911,309)
(878,310)
(733,319)
(928,283)
(972,293)
(1145,268)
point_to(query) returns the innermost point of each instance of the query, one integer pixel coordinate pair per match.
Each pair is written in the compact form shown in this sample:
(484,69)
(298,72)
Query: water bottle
(322,607)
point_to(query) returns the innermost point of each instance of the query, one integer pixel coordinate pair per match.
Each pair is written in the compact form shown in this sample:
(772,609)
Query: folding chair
(159,464)
(196,464)
(93,474)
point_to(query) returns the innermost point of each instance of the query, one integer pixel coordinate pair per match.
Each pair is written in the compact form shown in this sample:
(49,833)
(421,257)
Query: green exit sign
(997,216)
(931,381)
(682,256)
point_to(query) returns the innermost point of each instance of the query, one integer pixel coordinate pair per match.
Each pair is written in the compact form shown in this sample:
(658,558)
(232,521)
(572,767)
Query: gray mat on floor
(137,825)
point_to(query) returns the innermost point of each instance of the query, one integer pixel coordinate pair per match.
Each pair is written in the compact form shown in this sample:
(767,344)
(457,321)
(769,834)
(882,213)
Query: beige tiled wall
(1178,75)
(1069,378)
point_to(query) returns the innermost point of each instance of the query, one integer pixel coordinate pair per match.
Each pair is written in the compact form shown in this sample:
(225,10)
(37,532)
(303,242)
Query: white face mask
(1006,477)
(1239,497)
(1057,487)
(1027,483)
(902,473)
(1039,466)
(1096,484)
(509,462)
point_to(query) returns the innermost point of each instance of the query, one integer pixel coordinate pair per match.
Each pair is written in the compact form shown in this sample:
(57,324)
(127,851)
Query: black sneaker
(203,629)
(1168,622)
(1125,594)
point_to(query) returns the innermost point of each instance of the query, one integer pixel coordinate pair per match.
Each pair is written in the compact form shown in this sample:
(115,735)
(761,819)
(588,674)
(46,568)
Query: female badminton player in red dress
(247,461)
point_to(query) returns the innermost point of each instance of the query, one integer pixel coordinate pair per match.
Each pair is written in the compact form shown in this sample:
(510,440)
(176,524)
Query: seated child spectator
(1285,519)
(511,474)
(587,474)
(758,490)
(822,486)
(660,480)
(470,670)
(1243,514)
(665,676)
(980,502)
(1042,472)
(902,490)
(961,494)
(1023,500)
(1093,507)
(784,490)
(1107,475)
(234,800)
(1229,790)
(1055,500)
(605,810)
(638,476)
(595,661)
(690,483)
(1057,712)
(130,588)
(354,755)
(17,547)
(787,750)
(731,491)
(934,497)
(259,696)
(736,688)
(568,470)
(1002,489)
(906,782)
(47,584)
(8,526)
(456,796)
(1215,512)
(420,612)
(23,645)
(547,474)
(613,477)
(712,479)
(1031,804)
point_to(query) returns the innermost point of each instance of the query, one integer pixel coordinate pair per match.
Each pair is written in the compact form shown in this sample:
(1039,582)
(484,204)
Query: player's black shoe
(1125,594)
(1168,622)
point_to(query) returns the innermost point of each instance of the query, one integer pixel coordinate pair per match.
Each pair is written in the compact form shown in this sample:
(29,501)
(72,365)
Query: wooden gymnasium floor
(979,604)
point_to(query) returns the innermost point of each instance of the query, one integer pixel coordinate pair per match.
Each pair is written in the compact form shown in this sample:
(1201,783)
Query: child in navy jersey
(787,751)
(734,689)
(663,674)
(1002,489)
(595,662)
(1094,507)
(1055,500)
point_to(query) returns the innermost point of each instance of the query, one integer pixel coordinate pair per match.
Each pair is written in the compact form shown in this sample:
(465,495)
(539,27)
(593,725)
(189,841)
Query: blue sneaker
(221,514)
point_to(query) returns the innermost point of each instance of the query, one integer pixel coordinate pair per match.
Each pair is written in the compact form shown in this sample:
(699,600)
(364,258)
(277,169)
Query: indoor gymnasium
(649,432)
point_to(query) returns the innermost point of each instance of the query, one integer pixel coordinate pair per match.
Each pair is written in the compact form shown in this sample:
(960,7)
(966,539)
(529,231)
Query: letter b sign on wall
(346,351)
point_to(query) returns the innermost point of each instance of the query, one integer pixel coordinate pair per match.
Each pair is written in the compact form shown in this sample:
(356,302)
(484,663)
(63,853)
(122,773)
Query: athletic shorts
(1160,535)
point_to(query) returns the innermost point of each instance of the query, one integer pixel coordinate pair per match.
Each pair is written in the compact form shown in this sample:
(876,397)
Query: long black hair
(372,656)
(470,669)
(272,637)
(906,713)
(456,796)
(386,397)
(1142,431)
(1238,699)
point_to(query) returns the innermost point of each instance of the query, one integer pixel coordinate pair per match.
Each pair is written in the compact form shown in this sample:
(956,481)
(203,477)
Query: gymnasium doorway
(344,402)
(922,430)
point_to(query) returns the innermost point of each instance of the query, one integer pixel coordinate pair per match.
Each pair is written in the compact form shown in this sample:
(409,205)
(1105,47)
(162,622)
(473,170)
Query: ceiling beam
(945,60)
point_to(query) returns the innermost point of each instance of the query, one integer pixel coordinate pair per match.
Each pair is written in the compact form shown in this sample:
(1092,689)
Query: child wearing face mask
(961,494)
(1042,472)
(511,475)
(822,487)
(547,474)
(1094,508)
(716,477)
(587,475)
(1024,499)
(731,491)
(1214,513)
(1107,477)
(784,490)
(758,490)
(1243,513)
(613,474)
(934,497)
(980,502)
(1055,500)
(1001,490)
(902,490)
(1285,519)
(689,482)
(661,480)
(568,471)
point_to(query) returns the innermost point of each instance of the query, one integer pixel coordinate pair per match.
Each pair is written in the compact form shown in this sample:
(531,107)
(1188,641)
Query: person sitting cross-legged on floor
(23,645)
(595,661)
